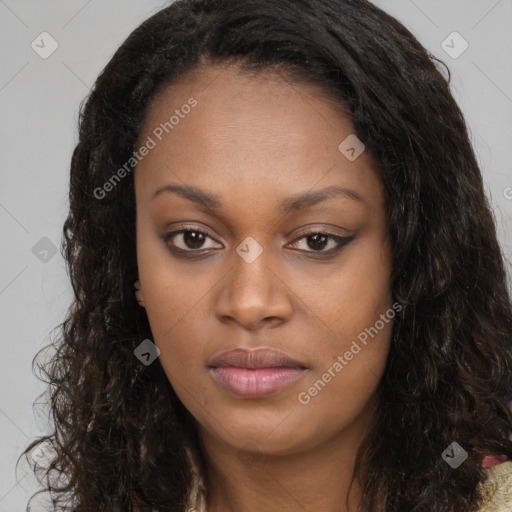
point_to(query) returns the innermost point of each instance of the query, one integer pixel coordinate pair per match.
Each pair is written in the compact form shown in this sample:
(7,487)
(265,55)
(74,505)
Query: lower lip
(254,383)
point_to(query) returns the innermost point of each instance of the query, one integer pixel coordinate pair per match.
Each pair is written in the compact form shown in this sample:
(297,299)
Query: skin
(254,141)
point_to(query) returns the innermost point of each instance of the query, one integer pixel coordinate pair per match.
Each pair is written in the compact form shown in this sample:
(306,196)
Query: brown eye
(317,241)
(188,240)
(193,239)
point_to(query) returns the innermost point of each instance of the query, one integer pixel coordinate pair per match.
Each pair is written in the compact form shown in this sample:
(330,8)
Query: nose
(254,295)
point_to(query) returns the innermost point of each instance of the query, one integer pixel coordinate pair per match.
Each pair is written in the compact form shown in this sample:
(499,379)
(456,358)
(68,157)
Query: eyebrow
(287,206)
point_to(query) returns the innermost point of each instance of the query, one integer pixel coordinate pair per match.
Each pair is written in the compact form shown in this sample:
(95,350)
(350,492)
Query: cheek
(350,296)
(169,298)
(341,390)
(349,372)
(171,290)
(355,307)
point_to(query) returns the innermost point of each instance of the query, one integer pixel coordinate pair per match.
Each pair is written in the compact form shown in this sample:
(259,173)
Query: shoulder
(496,489)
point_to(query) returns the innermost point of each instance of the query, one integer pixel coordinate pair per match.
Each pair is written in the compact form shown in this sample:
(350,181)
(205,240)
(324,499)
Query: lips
(255,373)
(253,359)
(255,383)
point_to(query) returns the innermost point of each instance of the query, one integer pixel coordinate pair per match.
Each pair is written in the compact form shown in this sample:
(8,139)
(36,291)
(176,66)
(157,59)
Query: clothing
(497,490)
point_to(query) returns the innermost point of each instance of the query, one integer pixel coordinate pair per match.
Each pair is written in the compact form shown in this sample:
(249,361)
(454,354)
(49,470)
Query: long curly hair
(119,429)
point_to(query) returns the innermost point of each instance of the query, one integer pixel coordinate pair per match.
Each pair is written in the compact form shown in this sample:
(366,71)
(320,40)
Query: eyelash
(341,241)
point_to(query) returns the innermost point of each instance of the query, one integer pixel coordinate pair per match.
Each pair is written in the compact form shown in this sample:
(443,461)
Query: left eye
(318,240)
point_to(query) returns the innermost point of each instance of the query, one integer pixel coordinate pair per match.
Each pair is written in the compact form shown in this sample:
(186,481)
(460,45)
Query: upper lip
(258,358)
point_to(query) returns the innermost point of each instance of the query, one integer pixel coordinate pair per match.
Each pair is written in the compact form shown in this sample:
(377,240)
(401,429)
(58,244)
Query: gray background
(39,101)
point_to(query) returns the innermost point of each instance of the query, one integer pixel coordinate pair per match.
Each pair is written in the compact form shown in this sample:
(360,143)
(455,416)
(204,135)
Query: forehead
(248,133)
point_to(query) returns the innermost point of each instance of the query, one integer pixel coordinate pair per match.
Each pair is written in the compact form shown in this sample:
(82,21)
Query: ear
(138,293)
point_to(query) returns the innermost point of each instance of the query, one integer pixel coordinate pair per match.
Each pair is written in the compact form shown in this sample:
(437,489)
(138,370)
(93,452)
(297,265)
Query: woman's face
(239,152)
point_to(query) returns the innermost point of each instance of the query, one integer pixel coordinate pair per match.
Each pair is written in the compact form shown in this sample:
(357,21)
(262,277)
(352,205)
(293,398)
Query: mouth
(255,374)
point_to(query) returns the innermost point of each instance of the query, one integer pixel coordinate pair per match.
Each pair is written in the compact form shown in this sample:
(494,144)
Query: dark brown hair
(448,376)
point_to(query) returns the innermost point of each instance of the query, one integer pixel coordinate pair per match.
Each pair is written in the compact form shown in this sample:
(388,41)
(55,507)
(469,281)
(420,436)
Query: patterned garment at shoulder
(497,489)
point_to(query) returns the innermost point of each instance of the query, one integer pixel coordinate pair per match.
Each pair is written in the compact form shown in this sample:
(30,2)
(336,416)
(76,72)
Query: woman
(341,338)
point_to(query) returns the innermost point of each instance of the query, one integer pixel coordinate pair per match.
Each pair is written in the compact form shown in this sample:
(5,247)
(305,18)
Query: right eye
(189,239)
